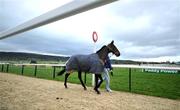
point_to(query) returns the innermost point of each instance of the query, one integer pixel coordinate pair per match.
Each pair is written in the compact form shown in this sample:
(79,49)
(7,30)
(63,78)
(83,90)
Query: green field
(154,84)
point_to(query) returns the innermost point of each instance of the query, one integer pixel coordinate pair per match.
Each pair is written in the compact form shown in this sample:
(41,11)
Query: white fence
(115,66)
(148,67)
(67,10)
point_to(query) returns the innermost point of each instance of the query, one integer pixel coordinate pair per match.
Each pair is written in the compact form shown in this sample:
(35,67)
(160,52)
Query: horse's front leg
(80,78)
(101,80)
(97,84)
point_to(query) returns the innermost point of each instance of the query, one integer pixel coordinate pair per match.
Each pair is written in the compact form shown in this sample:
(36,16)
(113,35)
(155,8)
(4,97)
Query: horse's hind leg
(80,78)
(66,77)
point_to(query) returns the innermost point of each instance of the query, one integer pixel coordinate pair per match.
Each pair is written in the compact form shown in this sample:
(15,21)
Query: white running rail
(67,10)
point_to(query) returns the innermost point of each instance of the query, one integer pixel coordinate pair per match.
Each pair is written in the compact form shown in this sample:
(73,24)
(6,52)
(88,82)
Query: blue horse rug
(85,63)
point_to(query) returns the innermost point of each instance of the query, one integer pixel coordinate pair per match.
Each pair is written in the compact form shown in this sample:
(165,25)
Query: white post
(95,38)
(93,75)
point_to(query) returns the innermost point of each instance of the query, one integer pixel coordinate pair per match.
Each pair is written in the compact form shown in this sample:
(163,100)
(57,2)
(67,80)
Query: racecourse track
(26,93)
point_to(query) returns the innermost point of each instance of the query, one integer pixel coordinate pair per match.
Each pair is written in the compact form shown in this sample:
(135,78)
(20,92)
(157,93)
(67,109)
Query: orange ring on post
(95,36)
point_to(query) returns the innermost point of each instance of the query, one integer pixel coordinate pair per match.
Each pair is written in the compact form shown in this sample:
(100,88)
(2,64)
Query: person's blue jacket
(108,63)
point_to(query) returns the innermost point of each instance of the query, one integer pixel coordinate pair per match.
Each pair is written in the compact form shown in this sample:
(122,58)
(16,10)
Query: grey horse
(92,63)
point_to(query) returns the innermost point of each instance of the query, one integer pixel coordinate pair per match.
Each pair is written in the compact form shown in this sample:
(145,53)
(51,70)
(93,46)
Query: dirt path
(25,93)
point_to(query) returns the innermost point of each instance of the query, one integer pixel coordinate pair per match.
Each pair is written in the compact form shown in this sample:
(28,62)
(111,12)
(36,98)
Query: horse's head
(112,48)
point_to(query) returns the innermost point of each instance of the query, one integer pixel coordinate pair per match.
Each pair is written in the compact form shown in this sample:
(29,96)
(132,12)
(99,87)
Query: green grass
(154,84)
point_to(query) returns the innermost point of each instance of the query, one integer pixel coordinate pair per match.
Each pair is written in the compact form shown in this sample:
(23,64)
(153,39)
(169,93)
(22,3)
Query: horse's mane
(101,49)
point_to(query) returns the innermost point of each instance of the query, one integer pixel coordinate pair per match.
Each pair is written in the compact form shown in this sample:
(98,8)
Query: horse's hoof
(65,86)
(98,92)
(85,89)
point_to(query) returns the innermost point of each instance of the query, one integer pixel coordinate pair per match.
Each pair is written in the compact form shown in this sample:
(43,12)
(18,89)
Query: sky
(143,30)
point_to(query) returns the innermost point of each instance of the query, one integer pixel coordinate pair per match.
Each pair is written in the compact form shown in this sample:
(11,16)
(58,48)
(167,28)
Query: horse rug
(86,63)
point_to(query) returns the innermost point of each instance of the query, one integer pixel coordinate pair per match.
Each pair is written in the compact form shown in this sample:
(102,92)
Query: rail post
(2,69)
(7,68)
(35,71)
(22,71)
(130,79)
(54,70)
(85,78)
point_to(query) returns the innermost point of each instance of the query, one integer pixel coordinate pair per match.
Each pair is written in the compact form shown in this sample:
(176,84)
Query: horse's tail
(62,71)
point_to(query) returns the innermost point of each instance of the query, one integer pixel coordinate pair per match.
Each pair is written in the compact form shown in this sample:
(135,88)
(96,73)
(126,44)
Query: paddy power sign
(161,71)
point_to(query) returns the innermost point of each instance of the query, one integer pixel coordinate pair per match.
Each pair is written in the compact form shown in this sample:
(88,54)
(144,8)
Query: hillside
(19,56)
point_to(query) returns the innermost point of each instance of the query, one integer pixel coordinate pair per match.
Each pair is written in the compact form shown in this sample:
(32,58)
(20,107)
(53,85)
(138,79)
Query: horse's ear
(112,42)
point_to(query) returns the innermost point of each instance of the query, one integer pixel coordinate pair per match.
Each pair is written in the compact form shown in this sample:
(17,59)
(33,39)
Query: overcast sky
(142,29)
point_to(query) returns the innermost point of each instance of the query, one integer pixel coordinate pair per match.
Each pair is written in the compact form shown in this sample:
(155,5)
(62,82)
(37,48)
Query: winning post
(95,38)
